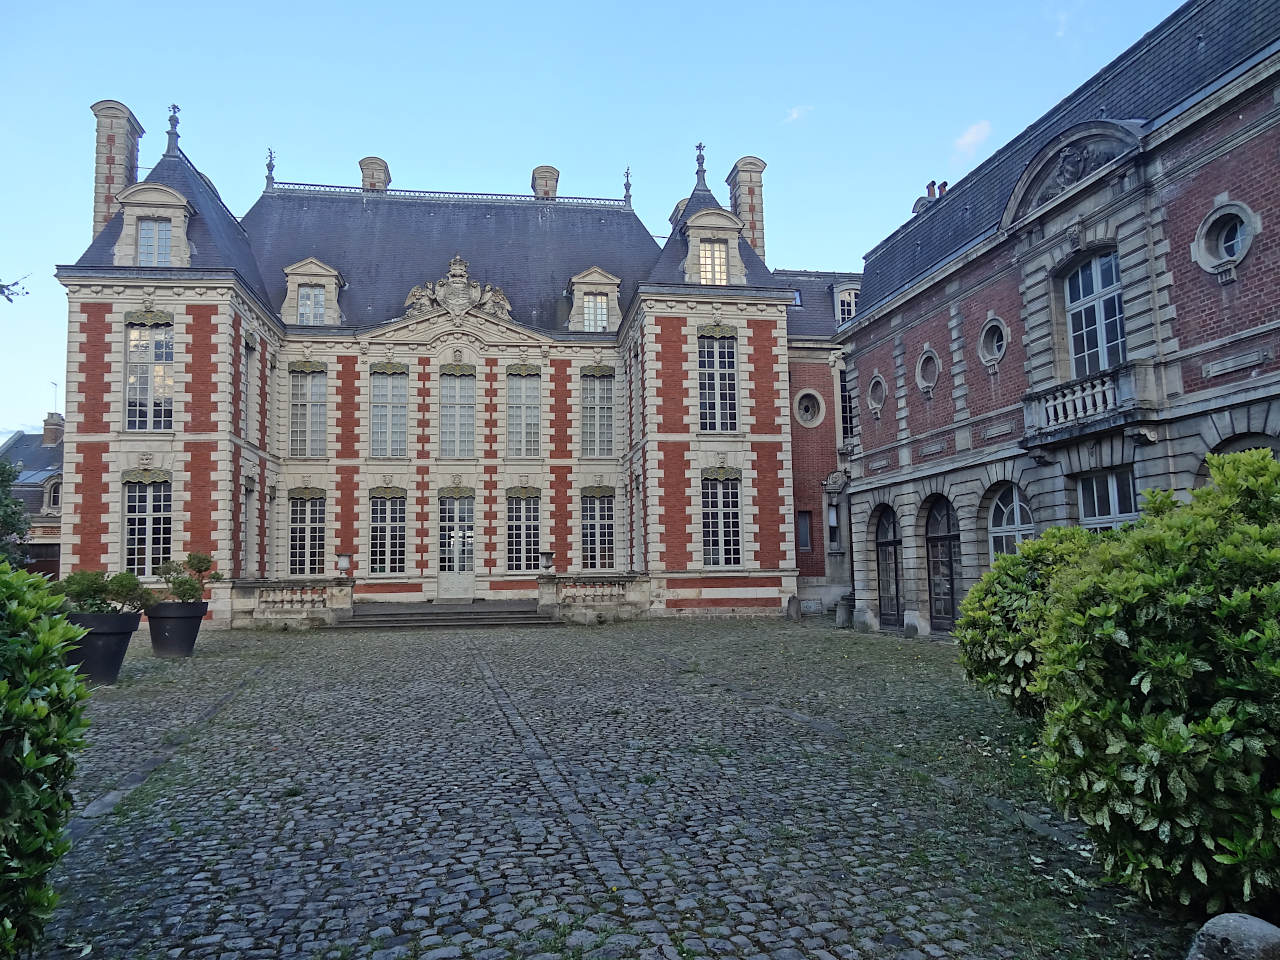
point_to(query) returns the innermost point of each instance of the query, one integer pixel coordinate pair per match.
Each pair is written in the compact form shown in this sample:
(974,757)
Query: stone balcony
(1100,402)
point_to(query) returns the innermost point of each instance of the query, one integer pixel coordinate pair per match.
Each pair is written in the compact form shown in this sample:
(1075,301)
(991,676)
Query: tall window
(721,523)
(1095,315)
(848,305)
(597,533)
(717,383)
(149,387)
(713,261)
(306,536)
(1108,499)
(153,242)
(390,415)
(148,526)
(595,312)
(523,539)
(457,415)
(1011,521)
(311,304)
(307,414)
(386,534)
(524,403)
(597,416)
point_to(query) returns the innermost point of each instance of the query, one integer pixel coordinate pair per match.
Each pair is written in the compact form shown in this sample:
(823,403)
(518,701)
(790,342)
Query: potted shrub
(175,621)
(110,609)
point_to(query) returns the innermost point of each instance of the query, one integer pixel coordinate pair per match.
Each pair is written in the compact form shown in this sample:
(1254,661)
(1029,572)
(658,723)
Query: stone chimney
(115,158)
(54,425)
(746,199)
(545,182)
(374,173)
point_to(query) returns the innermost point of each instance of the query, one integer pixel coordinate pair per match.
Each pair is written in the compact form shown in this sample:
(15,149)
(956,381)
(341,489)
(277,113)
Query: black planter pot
(101,650)
(174,627)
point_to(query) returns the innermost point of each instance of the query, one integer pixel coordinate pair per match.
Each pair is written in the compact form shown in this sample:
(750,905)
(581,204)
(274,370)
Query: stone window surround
(153,201)
(594,280)
(1204,249)
(312,272)
(714,224)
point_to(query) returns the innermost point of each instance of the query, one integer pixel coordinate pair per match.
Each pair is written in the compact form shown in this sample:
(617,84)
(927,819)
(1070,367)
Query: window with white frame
(713,261)
(389,415)
(721,523)
(717,383)
(1095,315)
(524,541)
(1011,520)
(597,533)
(386,534)
(1108,499)
(595,312)
(308,413)
(149,376)
(148,527)
(597,416)
(311,304)
(848,305)
(457,415)
(306,536)
(153,242)
(524,405)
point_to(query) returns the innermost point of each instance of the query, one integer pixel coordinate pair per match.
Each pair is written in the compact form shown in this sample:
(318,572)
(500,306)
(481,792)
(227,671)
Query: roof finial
(172,149)
(271,168)
(626,187)
(702,173)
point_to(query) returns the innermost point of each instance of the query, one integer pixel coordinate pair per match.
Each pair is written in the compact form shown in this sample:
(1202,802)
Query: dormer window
(153,242)
(713,261)
(311,304)
(595,312)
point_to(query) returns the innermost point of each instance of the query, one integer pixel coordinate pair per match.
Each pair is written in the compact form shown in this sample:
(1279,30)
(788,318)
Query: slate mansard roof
(1196,46)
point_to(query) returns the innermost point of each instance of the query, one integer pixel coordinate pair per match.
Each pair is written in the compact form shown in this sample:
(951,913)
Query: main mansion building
(360,393)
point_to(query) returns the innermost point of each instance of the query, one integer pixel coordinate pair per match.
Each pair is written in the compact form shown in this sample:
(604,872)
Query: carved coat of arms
(457,293)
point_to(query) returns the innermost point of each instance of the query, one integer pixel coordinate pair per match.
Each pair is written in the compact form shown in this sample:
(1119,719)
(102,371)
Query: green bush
(1162,678)
(1003,617)
(41,728)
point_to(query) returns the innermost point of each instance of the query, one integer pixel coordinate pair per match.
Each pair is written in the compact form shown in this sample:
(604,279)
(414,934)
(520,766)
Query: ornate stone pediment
(456,294)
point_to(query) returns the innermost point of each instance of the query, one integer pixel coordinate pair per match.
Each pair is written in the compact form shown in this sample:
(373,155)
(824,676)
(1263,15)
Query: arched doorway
(889,568)
(942,541)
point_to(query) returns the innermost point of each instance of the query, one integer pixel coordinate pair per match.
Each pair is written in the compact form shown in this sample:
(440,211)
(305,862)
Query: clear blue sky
(854,106)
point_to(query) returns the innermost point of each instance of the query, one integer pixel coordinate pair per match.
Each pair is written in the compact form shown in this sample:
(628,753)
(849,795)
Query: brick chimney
(115,158)
(54,425)
(746,199)
(545,182)
(374,174)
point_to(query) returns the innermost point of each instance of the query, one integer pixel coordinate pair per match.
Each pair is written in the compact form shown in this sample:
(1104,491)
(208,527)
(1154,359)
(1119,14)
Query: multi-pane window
(597,533)
(595,312)
(523,540)
(306,536)
(524,401)
(717,383)
(1011,521)
(149,375)
(848,414)
(153,242)
(386,534)
(148,526)
(311,304)
(1108,499)
(721,523)
(390,415)
(1095,315)
(457,415)
(597,416)
(848,305)
(307,414)
(457,534)
(713,261)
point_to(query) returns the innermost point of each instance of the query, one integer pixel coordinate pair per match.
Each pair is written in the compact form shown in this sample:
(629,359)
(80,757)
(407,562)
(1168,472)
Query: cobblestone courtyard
(737,788)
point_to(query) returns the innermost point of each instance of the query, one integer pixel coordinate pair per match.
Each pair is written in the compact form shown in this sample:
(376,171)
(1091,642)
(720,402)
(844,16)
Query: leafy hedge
(41,728)
(1162,677)
(1003,617)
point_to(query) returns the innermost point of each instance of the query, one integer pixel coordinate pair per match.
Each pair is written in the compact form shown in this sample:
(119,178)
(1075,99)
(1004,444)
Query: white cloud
(967,143)
(795,113)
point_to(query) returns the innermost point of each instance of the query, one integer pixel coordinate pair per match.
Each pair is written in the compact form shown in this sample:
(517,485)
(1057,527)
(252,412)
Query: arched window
(1011,521)
(889,569)
(942,539)
(1095,315)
